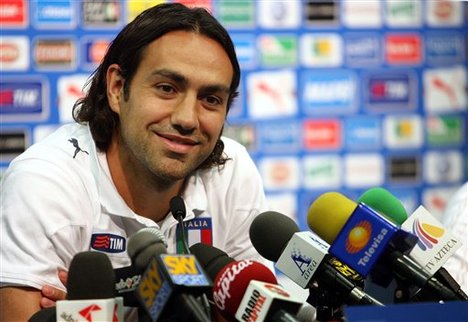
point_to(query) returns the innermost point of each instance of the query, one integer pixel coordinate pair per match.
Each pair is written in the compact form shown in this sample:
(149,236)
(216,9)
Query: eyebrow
(182,80)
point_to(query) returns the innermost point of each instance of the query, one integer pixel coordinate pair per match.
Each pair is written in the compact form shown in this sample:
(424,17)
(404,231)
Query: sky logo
(358,237)
(428,235)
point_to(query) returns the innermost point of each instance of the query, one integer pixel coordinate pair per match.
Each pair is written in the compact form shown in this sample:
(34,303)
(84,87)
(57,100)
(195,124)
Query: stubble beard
(163,170)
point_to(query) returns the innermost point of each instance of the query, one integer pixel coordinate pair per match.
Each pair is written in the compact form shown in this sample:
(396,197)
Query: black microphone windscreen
(177,207)
(212,259)
(270,232)
(144,245)
(90,276)
(45,315)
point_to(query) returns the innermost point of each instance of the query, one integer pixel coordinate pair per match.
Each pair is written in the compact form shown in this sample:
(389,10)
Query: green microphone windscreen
(382,201)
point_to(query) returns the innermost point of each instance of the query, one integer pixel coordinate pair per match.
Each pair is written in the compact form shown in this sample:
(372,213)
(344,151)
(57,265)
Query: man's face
(176,107)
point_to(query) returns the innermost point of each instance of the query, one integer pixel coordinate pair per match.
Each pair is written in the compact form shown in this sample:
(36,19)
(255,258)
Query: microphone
(369,243)
(90,290)
(177,207)
(170,283)
(45,315)
(435,244)
(382,201)
(246,289)
(211,258)
(302,256)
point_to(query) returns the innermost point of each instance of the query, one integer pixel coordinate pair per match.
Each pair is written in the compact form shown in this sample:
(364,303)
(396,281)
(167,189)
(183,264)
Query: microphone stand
(325,304)
(177,207)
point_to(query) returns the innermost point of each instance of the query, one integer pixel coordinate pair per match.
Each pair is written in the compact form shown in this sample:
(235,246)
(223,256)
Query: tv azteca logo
(428,234)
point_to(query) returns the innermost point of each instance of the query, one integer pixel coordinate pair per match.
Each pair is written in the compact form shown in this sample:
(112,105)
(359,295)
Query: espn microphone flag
(435,245)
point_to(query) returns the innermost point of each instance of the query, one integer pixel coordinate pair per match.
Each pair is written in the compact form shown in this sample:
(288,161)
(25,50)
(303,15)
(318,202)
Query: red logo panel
(322,134)
(13,13)
(403,49)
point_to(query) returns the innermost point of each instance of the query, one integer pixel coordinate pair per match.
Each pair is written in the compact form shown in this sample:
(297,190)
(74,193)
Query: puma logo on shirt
(77,147)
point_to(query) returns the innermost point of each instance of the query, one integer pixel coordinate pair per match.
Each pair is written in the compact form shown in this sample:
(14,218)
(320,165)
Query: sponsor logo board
(14,53)
(331,91)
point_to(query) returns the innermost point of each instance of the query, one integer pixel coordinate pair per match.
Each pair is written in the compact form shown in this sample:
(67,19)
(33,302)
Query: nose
(185,115)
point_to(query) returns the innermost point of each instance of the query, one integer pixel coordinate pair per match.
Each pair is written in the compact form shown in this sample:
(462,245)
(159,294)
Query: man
(148,129)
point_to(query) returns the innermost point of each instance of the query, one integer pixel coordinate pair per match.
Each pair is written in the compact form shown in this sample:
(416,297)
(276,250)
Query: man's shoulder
(69,149)
(69,141)
(233,148)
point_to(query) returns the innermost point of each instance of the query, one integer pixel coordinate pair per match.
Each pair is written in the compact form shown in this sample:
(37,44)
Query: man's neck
(144,194)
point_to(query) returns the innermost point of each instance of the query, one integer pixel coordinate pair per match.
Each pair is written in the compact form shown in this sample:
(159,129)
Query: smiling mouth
(178,144)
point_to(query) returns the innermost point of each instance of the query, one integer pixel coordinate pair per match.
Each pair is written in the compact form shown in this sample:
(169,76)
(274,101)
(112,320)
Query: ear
(115,86)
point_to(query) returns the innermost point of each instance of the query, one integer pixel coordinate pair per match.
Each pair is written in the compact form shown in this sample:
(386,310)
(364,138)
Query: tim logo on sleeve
(108,243)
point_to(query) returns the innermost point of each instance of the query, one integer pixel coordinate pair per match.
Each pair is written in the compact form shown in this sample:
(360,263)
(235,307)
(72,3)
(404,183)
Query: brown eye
(213,100)
(165,88)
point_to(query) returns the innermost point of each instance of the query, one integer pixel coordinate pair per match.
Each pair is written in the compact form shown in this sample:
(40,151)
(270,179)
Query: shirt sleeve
(43,222)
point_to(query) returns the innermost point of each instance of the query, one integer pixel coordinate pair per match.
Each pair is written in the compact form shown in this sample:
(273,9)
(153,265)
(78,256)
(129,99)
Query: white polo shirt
(58,199)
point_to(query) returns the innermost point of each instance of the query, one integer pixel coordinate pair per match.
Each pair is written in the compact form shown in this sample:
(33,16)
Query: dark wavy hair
(126,50)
